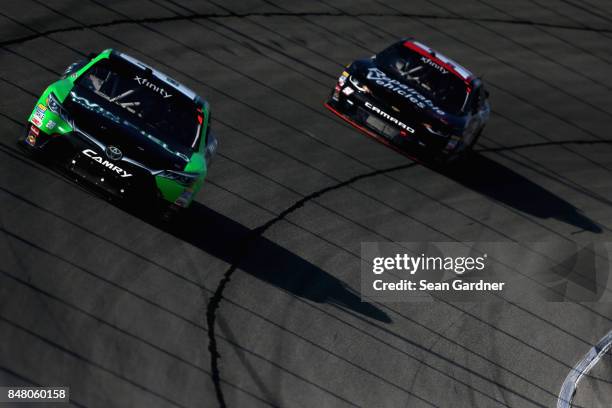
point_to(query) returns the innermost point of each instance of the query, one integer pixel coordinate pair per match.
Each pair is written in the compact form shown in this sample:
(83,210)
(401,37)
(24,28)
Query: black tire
(469,147)
(447,160)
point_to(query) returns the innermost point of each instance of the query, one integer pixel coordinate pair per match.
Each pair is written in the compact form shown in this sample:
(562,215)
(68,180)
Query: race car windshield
(446,89)
(171,115)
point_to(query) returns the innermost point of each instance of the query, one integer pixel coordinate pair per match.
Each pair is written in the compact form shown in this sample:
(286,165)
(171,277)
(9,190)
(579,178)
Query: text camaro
(125,128)
(410,96)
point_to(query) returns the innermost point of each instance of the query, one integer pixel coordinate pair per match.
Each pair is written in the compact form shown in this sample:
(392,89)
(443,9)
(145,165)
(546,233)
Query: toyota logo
(113,153)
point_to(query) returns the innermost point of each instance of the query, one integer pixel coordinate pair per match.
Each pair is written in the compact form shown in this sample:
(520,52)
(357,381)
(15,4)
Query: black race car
(412,98)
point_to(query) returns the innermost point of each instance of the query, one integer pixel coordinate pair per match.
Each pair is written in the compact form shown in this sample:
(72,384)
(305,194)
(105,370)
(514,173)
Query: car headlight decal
(358,85)
(57,108)
(53,104)
(436,132)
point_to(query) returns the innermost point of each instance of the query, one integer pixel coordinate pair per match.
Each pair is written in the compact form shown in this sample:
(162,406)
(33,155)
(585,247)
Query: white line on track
(568,389)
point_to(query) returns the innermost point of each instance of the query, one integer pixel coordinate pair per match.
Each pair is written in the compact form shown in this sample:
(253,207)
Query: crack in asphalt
(204,16)
(242,251)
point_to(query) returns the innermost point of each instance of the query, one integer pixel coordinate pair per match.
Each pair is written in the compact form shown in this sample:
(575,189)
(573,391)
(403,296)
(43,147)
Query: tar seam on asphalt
(201,16)
(241,252)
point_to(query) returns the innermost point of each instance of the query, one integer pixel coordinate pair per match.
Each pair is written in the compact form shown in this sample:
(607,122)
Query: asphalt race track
(254,300)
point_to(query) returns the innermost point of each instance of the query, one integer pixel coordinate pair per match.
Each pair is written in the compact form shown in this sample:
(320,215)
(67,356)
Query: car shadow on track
(222,237)
(502,184)
(267,261)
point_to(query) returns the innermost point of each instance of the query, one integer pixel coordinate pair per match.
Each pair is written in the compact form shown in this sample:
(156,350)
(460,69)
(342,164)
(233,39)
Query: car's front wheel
(472,140)
(447,159)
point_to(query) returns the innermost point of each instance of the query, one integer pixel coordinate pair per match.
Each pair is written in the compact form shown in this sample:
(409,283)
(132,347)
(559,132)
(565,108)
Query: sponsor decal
(183,199)
(106,163)
(347,91)
(32,135)
(336,94)
(440,68)
(50,124)
(339,85)
(39,114)
(452,143)
(389,117)
(409,93)
(113,153)
(439,59)
(145,82)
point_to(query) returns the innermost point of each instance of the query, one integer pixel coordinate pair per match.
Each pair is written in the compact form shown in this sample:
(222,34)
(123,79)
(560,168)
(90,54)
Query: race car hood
(110,126)
(406,101)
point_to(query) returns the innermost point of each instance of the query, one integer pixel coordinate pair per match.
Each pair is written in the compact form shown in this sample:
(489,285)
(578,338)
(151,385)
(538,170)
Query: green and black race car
(126,129)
